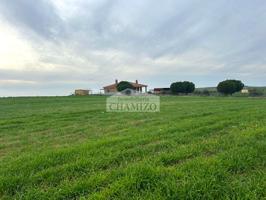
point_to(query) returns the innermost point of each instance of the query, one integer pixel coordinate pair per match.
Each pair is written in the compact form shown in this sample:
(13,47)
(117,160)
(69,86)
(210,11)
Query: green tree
(182,87)
(123,85)
(229,87)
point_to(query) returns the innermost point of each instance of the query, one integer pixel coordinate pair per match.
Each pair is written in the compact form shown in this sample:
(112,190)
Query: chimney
(116,81)
(137,82)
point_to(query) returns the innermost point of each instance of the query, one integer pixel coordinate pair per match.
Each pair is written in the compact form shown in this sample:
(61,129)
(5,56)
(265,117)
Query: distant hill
(210,89)
(246,87)
(253,91)
(262,88)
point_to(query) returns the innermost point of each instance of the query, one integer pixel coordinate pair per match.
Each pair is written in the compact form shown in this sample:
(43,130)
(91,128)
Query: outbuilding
(81,92)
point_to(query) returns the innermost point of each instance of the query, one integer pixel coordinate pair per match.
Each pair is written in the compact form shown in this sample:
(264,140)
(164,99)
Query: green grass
(70,148)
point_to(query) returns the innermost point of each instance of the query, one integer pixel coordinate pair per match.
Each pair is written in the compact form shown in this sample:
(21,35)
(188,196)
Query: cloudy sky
(51,47)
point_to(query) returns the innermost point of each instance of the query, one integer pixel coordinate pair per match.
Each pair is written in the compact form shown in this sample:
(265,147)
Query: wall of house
(110,90)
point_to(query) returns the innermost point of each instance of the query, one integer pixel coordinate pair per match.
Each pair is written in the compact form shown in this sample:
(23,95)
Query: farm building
(161,91)
(81,92)
(245,91)
(113,87)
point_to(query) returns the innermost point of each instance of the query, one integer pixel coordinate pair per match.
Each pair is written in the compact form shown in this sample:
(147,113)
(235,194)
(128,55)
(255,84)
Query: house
(81,92)
(161,91)
(113,87)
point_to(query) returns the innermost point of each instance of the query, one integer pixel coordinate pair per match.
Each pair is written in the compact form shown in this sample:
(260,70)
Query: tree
(230,86)
(182,87)
(123,85)
(189,87)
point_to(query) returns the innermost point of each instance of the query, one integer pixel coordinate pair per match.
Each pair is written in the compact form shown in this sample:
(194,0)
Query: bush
(206,93)
(230,87)
(182,87)
(123,85)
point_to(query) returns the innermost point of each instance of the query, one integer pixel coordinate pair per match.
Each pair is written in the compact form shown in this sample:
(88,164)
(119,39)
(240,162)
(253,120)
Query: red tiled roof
(134,85)
(110,86)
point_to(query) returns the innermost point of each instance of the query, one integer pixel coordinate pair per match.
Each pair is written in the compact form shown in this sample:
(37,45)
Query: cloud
(96,41)
(39,17)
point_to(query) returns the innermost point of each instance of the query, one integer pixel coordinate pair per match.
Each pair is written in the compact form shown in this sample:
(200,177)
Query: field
(70,148)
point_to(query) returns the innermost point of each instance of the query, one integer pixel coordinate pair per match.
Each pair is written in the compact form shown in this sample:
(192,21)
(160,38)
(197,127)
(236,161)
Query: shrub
(206,93)
(182,87)
(123,85)
(230,86)
(197,92)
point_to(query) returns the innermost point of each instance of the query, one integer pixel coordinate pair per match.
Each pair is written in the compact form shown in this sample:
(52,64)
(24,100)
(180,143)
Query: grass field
(70,148)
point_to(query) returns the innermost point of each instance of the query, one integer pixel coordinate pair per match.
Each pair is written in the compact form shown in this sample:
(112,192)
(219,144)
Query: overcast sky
(51,47)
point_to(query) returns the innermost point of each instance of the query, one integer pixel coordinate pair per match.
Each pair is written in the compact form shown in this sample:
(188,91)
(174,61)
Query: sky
(52,47)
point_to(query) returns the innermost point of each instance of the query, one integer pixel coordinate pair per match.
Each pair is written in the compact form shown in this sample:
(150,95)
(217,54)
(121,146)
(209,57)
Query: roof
(159,89)
(110,86)
(134,85)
